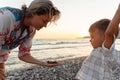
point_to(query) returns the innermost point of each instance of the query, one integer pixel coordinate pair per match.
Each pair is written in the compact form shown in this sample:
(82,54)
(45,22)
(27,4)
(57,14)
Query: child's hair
(101,25)
(42,7)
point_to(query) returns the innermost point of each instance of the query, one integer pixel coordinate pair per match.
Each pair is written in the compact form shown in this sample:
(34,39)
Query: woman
(18,27)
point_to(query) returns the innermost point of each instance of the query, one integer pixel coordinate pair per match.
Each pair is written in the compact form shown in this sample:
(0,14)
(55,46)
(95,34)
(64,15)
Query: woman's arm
(30,59)
(112,29)
(24,54)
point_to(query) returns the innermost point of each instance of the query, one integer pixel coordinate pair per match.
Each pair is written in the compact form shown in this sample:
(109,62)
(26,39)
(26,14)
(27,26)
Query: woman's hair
(42,7)
(101,25)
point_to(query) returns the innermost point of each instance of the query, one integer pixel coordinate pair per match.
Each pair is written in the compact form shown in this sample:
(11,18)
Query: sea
(53,49)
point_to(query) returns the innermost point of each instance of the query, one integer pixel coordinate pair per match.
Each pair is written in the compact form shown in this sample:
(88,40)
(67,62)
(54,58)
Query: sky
(76,16)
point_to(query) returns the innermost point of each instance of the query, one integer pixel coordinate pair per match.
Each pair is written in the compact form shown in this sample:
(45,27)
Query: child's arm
(112,29)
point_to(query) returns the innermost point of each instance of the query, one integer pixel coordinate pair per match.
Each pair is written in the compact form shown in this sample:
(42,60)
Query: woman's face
(40,21)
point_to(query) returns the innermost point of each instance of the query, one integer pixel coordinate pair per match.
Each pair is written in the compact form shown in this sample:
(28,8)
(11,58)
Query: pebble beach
(66,71)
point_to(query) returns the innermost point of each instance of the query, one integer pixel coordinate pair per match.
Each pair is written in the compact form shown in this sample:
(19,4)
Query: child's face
(40,21)
(97,38)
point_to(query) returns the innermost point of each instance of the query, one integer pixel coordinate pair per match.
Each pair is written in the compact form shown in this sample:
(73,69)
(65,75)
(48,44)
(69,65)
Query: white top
(11,35)
(100,64)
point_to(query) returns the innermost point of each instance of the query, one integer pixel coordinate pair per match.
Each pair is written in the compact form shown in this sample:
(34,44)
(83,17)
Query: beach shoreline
(66,71)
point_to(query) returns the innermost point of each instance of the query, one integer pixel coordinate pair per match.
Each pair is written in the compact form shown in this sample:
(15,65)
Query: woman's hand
(52,63)
(30,59)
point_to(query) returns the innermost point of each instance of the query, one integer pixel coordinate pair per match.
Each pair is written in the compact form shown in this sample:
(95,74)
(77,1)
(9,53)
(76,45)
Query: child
(18,27)
(104,59)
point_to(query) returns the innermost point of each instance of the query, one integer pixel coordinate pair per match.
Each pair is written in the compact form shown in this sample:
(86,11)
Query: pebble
(66,71)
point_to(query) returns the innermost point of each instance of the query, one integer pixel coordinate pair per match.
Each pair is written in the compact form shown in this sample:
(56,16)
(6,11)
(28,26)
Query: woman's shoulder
(10,8)
(16,12)
(3,8)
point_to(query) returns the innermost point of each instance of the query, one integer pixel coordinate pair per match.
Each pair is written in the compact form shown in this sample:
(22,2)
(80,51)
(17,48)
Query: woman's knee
(2,71)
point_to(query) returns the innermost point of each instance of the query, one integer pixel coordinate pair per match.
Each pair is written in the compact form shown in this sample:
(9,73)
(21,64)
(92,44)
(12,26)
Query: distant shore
(66,71)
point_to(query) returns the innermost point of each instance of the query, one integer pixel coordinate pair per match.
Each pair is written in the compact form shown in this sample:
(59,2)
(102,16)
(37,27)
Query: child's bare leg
(2,71)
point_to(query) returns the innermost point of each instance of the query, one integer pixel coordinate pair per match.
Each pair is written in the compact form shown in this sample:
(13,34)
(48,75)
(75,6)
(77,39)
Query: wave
(36,49)
(59,43)
(54,48)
